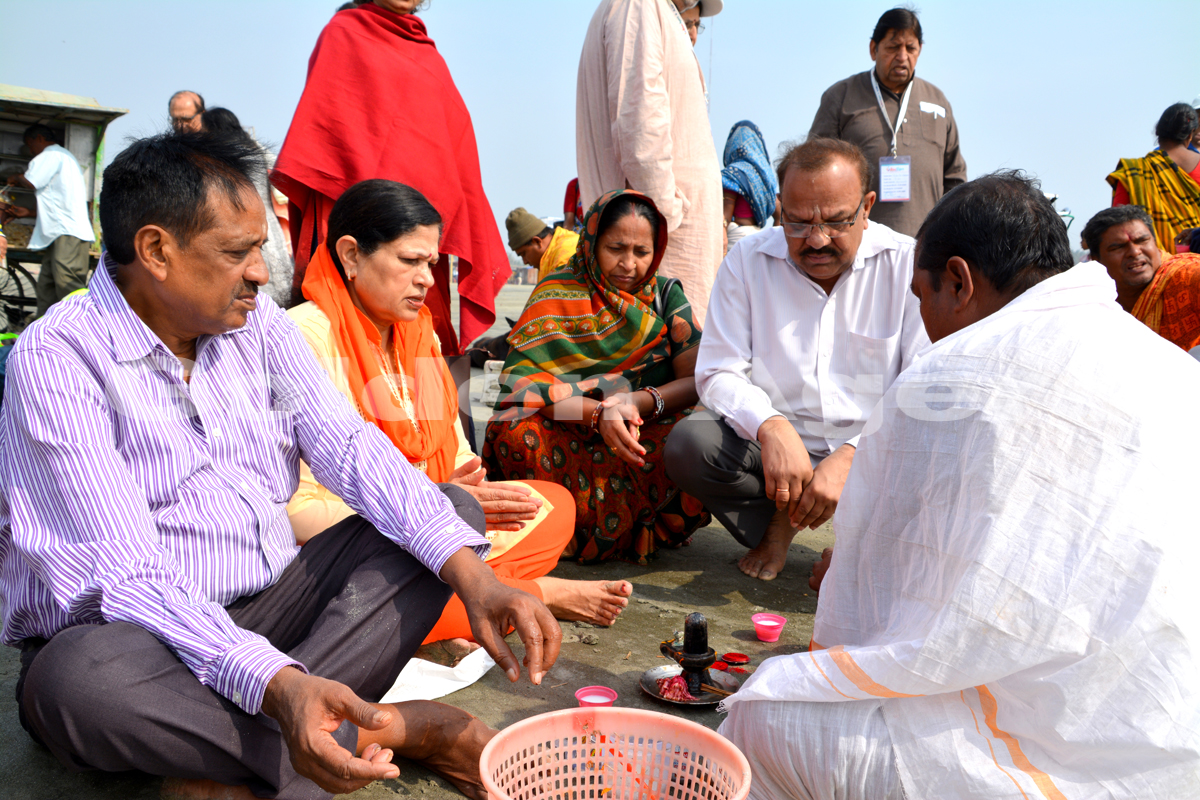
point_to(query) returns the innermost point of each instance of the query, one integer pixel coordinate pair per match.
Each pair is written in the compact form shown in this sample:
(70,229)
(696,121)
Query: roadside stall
(80,123)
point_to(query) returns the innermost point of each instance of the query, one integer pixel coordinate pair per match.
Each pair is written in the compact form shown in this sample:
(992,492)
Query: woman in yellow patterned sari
(1167,181)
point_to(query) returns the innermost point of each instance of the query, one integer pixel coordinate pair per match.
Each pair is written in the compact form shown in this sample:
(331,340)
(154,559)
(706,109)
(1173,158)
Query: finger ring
(781,491)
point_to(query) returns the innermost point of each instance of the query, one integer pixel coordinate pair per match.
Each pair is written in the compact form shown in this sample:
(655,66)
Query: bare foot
(447,652)
(820,568)
(597,602)
(766,561)
(443,738)
(201,789)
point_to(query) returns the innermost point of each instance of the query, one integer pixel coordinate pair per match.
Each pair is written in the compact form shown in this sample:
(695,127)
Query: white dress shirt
(776,344)
(61,198)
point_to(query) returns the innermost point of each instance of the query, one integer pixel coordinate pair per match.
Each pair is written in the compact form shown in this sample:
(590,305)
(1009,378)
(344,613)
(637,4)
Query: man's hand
(786,465)
(505,505)
(821,495)
(20,211)
(619,425)
(494,609)
(309,709)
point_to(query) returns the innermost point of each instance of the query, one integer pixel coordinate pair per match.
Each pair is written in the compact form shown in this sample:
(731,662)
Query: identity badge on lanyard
(895,171)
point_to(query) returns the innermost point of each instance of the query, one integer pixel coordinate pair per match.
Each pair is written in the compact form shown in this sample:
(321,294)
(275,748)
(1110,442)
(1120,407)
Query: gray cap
(710,8)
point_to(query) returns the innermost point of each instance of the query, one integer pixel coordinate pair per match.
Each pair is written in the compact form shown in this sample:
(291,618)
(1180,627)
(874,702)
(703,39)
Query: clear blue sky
(1061,89)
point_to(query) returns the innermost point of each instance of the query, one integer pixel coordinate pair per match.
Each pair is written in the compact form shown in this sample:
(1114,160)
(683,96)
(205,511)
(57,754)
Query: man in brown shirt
(927,136)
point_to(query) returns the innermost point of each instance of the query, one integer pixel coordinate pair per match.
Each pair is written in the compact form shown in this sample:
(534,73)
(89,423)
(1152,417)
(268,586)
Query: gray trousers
(707,459)
(352,607)
(64,269)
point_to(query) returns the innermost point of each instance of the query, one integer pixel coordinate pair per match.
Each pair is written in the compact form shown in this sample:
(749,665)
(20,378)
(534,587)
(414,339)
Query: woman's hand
(620,421)
(506,506)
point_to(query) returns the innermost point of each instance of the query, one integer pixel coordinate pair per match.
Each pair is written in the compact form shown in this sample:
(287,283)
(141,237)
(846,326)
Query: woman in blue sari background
(750,188)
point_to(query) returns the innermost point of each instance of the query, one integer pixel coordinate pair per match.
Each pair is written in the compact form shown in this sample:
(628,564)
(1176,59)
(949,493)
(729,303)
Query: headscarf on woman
(431,437)
(748,170)
(579,333)
(379,102)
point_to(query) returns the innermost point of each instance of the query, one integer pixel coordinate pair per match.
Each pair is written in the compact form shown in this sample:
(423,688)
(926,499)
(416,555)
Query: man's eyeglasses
(833,230)
(694,25)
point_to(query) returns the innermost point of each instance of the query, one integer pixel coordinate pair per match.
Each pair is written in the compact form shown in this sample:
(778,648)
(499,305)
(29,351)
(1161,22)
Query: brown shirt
(850,111)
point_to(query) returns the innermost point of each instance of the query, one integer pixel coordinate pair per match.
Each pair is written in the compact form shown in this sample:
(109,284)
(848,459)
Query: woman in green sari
(601,368)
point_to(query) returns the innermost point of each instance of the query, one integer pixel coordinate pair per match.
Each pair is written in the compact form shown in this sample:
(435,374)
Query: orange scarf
(1168,305)
(433,392)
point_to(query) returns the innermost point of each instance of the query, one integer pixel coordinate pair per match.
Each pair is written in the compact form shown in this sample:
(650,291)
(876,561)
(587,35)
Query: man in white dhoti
(1010,611)
(641,122)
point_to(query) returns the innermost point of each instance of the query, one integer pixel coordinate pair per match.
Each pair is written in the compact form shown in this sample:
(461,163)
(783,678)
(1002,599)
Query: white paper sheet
(425,680)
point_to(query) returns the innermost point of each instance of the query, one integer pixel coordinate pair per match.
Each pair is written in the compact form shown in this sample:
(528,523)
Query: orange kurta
(1170,305)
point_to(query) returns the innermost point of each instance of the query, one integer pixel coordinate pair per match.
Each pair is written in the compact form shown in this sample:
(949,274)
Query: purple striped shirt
(131,495)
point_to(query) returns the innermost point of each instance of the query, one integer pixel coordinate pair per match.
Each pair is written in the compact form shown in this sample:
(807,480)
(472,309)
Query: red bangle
(659,404)
(596,416)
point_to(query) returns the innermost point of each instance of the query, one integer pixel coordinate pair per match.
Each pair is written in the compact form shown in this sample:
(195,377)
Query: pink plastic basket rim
(601,713)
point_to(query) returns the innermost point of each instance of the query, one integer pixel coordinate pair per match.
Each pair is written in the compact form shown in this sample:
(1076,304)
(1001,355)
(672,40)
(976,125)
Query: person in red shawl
(379,102)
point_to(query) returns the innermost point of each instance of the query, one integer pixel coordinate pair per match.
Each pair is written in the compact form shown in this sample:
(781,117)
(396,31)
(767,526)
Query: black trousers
(707,459)
(352,607)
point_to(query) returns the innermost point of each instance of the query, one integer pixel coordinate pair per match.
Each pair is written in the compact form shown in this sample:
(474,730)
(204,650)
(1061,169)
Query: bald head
(185,109)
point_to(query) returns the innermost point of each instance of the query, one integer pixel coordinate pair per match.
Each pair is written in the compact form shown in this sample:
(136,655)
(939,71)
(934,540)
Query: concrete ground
(701,577)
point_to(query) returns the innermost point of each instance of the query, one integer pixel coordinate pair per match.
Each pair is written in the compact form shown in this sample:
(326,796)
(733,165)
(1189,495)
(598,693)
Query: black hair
(546,231)
(1003,226)
(1194,241)
(1177,124)
(1096,227)
(815,153)
(897,19)
(181,92)
(222,120)
(166,180)
(623,206)
(39,130)
(376,212)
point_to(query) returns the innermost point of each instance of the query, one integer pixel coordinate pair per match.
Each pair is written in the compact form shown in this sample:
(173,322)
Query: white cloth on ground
(641,122)
(815,751)
(1014,571)
(61,198)
(777,344)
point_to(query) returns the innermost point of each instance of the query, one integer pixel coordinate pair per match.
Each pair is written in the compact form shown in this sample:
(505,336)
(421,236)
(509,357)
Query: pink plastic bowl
(768,626)
(595,696)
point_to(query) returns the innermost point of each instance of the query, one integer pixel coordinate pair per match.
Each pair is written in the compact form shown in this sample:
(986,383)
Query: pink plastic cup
(595,696)
(768,626)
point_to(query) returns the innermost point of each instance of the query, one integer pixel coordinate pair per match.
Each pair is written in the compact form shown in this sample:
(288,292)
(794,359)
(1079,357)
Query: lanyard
(895,129)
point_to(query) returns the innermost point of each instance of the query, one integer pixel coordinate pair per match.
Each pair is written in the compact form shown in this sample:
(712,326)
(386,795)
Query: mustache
(827,250)
(248,288)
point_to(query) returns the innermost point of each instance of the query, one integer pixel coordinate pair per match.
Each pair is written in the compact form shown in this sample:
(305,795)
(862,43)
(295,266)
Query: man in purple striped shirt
(150,439)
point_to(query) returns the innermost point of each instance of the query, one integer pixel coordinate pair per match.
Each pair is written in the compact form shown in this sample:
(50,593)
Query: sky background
(1060,89)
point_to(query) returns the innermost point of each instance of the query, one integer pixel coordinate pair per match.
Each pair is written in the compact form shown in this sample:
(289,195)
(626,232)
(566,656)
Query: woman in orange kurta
(368,323)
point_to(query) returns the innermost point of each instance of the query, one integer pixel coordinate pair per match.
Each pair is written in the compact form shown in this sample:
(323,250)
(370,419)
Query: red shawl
(379,102)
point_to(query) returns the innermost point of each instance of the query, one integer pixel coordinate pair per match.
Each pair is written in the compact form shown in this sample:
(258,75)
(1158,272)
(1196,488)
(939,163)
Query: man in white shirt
(1011,609)
(809,324)
(63,229)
